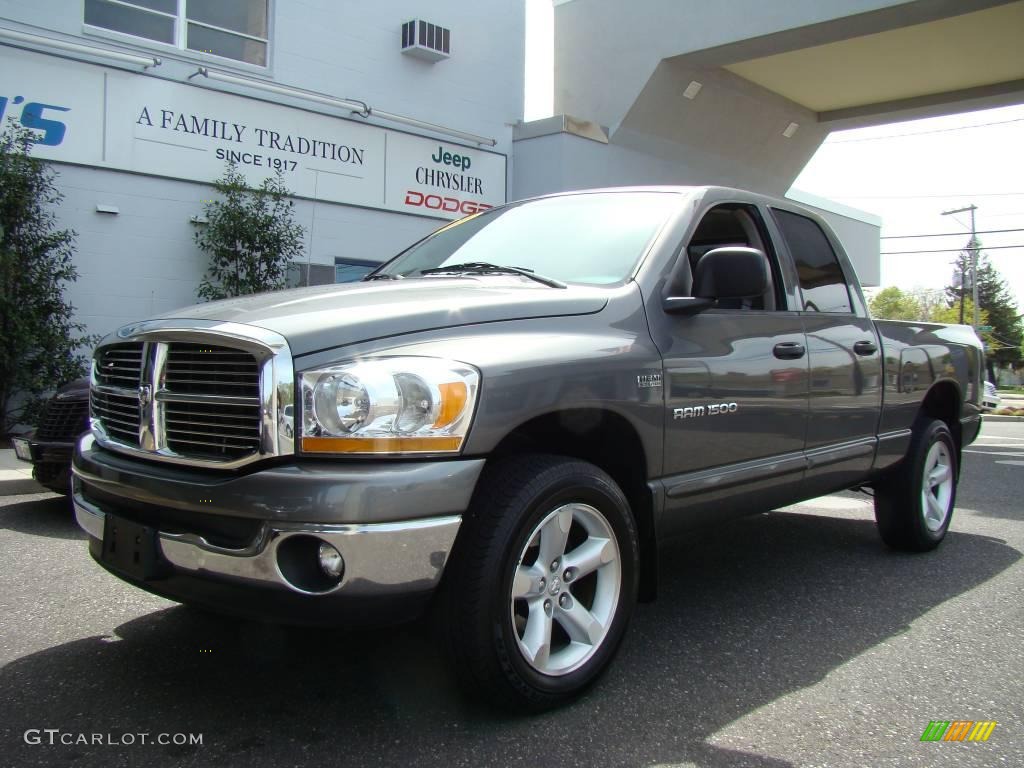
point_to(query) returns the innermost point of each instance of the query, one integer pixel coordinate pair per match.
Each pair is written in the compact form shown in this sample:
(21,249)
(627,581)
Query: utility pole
(972,249)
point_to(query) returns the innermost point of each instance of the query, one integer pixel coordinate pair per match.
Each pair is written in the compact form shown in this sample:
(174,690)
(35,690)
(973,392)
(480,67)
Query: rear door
(845,381)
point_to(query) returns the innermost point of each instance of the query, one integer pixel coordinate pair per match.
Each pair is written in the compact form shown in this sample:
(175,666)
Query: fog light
(331,561)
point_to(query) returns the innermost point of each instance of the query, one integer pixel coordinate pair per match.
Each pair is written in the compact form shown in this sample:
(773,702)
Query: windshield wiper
(381,276)
(485,268)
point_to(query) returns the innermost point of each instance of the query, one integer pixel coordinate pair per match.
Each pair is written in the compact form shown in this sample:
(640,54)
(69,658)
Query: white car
(990,399)
(288,420)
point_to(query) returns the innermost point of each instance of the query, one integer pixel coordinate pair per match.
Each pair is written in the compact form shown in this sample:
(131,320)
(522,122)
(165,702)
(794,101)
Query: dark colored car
(49,448)
(503,423)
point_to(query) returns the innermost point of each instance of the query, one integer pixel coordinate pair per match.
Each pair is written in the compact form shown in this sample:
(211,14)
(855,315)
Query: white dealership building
(388,119)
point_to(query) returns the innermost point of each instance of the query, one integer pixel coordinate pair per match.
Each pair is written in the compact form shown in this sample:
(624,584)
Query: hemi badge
(648,380)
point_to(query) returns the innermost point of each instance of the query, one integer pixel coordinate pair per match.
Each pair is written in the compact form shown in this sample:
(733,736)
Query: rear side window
(821,279)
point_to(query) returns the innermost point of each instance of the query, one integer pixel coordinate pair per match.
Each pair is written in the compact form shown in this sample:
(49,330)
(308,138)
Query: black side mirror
(732,272)
(685,305)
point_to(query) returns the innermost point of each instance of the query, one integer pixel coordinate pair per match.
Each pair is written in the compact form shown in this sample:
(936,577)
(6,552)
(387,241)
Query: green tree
(893,304)
(951,313)
(997,303)
(250,237)
(930,300)
(39,341)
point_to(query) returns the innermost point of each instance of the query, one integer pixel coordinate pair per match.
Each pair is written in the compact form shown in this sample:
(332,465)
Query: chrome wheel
(937,486)
(565,589)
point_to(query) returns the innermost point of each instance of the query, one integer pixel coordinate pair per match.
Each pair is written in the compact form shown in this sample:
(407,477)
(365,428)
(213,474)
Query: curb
(20,487)
(987,417)
(16,475)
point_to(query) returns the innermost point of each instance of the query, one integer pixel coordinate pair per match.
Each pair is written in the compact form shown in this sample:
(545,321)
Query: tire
(542,582)
(914,506)
(53,477)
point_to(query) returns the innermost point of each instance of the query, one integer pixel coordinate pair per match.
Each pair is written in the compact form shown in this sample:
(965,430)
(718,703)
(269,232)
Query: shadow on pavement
(747,613)
(51,516)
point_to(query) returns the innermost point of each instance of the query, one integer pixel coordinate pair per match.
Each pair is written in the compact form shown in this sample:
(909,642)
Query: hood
(74,390)
(327,316)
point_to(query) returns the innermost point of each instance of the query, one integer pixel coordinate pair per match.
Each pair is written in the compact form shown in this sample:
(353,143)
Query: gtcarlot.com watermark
(55,736)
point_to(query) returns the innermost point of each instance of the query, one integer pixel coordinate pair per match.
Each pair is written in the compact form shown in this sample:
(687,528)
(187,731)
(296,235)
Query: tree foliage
(39,341)
(996,303)
(250,237)
(894,304)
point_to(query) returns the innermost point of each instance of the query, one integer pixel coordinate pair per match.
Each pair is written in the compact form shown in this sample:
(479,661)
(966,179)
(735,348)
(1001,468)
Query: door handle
(865,348)
(789,350)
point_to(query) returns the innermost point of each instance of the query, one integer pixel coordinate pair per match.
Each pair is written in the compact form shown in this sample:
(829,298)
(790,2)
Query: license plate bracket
(131,548)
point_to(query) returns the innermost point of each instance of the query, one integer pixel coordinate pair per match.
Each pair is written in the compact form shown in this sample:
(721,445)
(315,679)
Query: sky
(909,173)
(906,173)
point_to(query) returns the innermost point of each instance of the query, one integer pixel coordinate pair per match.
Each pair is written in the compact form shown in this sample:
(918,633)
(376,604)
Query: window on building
(232,29)
(352,270)
(821,278)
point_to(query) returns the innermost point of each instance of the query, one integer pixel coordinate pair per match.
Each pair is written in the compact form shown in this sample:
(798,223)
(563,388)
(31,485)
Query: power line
(952,196)
(954,250)
(925,133)
(952,234)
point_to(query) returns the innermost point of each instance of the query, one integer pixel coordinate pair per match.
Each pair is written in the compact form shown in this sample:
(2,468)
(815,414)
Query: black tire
(53,477)
(913,513)
(510,520)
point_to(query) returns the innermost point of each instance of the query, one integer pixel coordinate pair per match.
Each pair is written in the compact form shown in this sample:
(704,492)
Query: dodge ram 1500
(504,422)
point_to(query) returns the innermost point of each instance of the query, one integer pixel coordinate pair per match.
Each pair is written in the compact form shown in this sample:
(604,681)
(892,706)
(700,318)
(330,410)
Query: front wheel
(543,581)
(913,507)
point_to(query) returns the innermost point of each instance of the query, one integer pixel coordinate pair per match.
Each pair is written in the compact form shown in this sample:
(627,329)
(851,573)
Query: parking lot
(790,638)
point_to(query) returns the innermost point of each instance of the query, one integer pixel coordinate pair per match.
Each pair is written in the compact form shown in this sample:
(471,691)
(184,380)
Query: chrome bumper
(381,559)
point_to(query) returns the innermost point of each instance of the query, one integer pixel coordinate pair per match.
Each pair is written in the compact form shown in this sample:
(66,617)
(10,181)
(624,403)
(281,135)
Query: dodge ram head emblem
(715,409)
(145,395)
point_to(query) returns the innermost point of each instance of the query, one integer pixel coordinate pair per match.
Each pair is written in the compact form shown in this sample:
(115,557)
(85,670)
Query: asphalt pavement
(792,638)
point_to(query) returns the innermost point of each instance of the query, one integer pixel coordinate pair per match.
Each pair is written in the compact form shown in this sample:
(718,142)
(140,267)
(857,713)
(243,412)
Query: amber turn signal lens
(380,444)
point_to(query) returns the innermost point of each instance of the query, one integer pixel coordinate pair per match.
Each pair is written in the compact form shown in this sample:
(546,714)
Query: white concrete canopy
(775,78)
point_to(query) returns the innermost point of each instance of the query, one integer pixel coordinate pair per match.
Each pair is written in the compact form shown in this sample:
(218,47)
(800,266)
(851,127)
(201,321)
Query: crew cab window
(822,283)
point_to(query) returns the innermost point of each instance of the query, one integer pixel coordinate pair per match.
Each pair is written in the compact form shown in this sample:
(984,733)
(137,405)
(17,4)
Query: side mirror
(685,305)
(733,272)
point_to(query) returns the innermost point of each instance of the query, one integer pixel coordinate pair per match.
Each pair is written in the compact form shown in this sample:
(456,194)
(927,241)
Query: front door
(736,382)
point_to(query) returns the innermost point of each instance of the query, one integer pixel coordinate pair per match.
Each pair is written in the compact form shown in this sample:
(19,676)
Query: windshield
(594,238)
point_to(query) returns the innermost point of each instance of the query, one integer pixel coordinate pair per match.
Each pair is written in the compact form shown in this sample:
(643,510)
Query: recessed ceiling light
(790,130)
(692,89)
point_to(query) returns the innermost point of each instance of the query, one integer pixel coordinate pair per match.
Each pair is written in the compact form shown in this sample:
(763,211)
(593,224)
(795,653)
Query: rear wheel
(914,506)
(543,581)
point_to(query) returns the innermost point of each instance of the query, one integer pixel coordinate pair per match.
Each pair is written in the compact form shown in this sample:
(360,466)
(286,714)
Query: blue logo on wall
(32,117)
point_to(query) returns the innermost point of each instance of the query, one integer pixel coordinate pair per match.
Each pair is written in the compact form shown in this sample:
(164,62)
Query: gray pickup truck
(504,422)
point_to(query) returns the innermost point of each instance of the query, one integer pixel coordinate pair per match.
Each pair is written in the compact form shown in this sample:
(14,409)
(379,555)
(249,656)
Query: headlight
(388,405)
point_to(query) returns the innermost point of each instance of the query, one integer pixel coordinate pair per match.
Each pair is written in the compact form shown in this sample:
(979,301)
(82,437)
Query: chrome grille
(120,365)
(179,400)
(213,430)
(202,369)
(119,413)
(64,420)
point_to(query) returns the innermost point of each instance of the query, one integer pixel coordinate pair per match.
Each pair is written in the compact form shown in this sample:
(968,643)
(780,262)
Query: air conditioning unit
(426,41)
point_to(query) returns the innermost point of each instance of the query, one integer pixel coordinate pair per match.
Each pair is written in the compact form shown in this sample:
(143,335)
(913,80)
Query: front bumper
(240,543)
(51,460)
